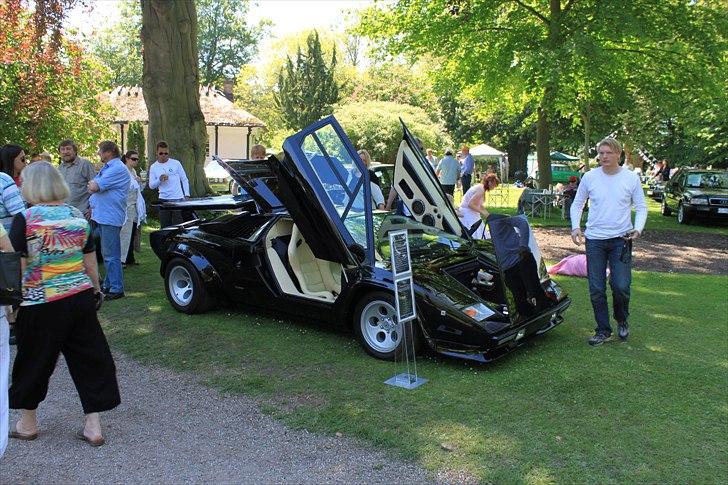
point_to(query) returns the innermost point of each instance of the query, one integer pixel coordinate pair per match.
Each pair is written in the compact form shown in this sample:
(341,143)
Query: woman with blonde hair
(61,294)
(472,208)
(374,182)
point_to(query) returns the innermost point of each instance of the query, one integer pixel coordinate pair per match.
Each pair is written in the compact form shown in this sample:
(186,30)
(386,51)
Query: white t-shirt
(177,186)
(611,198)
(377,195)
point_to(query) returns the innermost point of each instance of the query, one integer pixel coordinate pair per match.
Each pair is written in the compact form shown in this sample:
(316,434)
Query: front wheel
(185,289)
(682,215)
(376,327)
(664,209)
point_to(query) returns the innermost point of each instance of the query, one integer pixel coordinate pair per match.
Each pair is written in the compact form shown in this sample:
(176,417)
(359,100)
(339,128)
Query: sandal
(94,443)
(23,436)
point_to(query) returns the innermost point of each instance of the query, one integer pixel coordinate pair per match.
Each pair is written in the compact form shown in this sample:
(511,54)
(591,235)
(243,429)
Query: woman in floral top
(58,312)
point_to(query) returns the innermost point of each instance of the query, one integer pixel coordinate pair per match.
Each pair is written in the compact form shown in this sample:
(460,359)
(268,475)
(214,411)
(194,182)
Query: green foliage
(224,40)
(48,87)
(306,90)
(136,141)
(119,46)
(375,126)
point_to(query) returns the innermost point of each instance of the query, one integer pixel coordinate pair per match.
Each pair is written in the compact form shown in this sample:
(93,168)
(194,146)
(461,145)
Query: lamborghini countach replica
(304,240)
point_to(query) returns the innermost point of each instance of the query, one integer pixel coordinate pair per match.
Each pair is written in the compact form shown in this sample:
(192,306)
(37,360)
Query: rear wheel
(664,209)
(376,327)
(682,216)
(185,289)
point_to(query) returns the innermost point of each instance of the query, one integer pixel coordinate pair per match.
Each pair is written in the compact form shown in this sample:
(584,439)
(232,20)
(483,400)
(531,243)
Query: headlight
(699,199)
(478,312)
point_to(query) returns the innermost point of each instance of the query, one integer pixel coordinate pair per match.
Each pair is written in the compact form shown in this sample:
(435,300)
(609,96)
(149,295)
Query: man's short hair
(257,151)
(109,146)
(611,143)
(162,144)
(68,143)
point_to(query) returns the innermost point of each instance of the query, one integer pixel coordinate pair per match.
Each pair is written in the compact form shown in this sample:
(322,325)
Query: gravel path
(170,429)
(661,251)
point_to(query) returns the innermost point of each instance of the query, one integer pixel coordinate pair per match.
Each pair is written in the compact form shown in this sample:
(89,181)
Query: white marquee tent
(484,150)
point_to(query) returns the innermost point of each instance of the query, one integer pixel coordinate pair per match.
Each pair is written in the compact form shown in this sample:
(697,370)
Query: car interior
(297,270)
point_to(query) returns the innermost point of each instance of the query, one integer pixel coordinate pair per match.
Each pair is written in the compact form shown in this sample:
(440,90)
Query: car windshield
(422,238)
(707,180)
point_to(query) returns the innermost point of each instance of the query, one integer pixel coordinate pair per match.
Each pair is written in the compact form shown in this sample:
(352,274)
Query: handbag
(10,279)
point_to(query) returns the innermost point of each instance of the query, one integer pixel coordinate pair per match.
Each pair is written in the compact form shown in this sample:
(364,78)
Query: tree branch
(533,11)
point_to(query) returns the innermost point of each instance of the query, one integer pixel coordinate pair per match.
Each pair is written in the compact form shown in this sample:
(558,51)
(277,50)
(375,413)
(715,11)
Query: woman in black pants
(58,312)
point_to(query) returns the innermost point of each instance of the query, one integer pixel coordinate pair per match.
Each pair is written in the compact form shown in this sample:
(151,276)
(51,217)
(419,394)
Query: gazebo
(230,129)
(487,151)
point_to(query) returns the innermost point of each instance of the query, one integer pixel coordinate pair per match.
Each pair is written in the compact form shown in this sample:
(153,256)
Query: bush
(375,126)
(135,141)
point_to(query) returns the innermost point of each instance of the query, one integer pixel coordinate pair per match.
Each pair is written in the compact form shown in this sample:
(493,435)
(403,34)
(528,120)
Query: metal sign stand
(404,298)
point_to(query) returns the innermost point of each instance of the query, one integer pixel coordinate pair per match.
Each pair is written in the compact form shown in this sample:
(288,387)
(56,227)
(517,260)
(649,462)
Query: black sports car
(304,240)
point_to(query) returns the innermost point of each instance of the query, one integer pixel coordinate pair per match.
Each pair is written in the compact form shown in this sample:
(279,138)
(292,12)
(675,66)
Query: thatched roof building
(229,127)
(217,109)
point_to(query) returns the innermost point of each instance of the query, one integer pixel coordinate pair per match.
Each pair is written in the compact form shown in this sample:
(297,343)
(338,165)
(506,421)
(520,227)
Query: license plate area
(722,210)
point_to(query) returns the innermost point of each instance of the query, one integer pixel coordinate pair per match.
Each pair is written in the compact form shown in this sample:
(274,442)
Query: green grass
(651,410)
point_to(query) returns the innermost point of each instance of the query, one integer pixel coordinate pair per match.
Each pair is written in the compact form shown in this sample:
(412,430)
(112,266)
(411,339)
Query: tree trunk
(542,149)
(518,156)
(171,85)
(586,120)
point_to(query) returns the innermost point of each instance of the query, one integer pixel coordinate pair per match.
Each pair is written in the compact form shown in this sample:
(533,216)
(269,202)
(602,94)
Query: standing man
(612,191)
(432,159)
(169,176)
(468,165)
(448,170)
(77,172)
(108,210)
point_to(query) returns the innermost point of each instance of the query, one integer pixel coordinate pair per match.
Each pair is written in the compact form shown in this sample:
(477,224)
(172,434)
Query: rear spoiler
(221,202)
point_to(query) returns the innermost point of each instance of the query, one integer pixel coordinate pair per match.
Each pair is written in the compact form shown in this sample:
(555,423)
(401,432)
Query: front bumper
(706,211)
(505,342)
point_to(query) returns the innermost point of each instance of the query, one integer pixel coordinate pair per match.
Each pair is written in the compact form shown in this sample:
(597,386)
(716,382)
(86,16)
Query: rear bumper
(505,342)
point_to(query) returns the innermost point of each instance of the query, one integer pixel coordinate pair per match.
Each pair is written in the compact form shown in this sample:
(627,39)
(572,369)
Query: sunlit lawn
(653,409)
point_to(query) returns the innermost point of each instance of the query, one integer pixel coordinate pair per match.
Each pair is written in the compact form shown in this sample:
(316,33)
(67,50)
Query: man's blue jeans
(599,253)
(111,252)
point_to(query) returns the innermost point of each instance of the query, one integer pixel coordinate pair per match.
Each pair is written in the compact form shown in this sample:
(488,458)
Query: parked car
(560,173)
(655,190)
(306,242)
(696,193)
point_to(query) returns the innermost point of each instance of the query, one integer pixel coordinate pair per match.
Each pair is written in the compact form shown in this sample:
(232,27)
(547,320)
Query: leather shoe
(114,296)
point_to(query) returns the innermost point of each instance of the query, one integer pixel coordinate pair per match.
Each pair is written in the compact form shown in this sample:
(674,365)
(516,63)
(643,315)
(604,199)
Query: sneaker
(114,296)
(623,330)
(599,339)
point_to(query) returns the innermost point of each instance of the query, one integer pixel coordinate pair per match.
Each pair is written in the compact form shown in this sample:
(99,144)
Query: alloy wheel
(180,285)
(379,326)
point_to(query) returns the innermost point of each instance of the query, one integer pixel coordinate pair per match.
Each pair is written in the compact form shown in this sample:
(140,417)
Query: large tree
(543,49)
(307,88)
(171,85)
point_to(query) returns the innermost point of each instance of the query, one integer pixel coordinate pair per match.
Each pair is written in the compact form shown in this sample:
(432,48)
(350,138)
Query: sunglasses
(134,159)
(163,153)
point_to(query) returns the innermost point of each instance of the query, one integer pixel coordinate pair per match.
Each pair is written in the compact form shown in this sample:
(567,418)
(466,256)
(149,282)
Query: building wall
(232,140)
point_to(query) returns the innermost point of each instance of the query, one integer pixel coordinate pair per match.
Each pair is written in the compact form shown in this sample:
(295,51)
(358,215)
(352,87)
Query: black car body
(655,190)
(306,242)
(695,193)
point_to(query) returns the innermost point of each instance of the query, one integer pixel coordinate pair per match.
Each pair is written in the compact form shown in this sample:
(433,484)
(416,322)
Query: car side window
(340,177)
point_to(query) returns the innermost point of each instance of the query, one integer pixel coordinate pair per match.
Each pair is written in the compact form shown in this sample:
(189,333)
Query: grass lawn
(654,409)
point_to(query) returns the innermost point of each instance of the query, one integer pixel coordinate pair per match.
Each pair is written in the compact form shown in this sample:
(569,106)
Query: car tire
(375,328)
(682,215)
(664,209)
(185,289)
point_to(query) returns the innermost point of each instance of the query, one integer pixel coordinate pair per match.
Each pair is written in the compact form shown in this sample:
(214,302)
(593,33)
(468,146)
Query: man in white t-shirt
(612,192)
(169,176)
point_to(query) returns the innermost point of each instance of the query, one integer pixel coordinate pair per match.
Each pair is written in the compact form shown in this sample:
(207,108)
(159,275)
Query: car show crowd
(59,217)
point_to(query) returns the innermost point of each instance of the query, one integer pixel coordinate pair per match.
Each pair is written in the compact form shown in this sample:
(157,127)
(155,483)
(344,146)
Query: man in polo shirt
(78,172)
(467,171)
(168,175)
(447,171)
(108,210)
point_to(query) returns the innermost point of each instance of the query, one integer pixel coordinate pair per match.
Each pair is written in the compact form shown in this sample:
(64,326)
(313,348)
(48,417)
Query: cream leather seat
(316,277)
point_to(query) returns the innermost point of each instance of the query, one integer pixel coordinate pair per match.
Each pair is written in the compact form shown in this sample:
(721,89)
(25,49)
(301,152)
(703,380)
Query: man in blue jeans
(108,210)
(612,192)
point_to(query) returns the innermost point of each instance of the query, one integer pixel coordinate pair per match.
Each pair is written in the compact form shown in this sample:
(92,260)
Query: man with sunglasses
(612,191)
(77,172)
(169,176)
